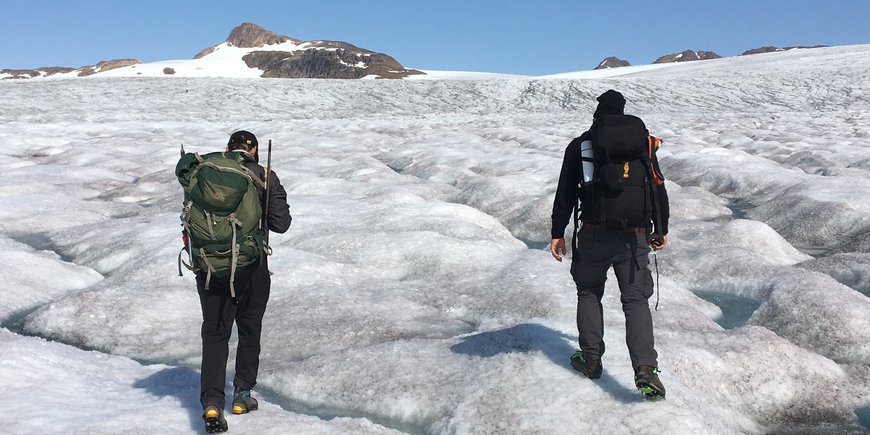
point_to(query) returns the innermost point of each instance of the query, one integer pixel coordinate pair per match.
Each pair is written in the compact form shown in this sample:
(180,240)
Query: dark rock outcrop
(204,53)
(168,71)
(20,73)
(31,73)
(612,62)
(107,65)
(52,70)
(338,63)
(771,49)
(687,56)
(704,55)
(759,50)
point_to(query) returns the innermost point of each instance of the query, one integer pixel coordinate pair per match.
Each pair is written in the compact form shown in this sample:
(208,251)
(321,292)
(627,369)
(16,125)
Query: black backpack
(622,190)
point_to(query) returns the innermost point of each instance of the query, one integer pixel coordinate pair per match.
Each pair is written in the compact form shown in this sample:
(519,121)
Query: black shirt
(279,211)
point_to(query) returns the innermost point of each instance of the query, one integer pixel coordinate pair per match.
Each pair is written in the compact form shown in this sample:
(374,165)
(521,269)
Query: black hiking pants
(597,251)
(218,314)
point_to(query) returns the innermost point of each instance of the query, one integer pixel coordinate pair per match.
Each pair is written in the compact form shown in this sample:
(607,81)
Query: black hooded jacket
(569,192)
(279,210)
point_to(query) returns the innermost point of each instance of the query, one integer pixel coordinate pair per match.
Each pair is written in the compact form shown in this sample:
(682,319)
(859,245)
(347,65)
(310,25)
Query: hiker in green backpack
(611,181)
(229,207)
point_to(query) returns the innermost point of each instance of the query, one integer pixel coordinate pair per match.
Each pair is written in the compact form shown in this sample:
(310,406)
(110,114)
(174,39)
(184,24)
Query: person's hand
(657,242)
(557,248)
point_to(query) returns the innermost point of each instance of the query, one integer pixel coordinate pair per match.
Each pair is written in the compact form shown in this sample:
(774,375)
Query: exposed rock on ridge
(31,73)
(325,60)
(84,71)
(250,35)
(107,65)
(770,49)
(612,62)
(687,56)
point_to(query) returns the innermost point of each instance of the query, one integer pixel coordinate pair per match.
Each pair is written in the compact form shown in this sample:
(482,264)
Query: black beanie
(610,103)
(245,138)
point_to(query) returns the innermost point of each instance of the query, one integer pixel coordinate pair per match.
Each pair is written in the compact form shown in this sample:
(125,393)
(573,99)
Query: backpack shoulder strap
(240,158)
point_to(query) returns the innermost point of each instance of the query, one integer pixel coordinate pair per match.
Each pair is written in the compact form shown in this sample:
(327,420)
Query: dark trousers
(597,251)
(218,314)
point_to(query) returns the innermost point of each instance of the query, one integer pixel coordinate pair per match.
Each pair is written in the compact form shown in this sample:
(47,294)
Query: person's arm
(659,238)
(279,210)
(566,198)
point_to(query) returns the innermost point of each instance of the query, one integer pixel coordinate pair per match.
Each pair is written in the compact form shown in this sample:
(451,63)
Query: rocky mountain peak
(250,35)
(687,56)
(311,59)
(612,62)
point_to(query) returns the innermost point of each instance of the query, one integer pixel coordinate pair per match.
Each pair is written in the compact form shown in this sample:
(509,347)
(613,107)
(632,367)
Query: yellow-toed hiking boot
(243,402)
(214,419)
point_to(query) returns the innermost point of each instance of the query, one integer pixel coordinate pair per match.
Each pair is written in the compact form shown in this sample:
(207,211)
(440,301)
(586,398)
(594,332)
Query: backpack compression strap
(235,255)
(657,181)
(654,144)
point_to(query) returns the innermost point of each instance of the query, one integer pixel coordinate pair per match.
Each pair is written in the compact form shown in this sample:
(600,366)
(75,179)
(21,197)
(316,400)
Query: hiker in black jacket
(624,246)
(220,310)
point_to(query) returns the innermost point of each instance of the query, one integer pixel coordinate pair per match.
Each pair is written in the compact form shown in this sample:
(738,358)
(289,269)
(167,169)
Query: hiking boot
(214,419)
(243,402)
(646,378)
(588,365)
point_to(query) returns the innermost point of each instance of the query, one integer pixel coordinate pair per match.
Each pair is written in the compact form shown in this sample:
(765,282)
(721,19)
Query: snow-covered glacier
(413,293)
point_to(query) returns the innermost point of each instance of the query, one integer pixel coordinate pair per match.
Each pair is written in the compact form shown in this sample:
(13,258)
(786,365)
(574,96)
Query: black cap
(242,137)
(610,103)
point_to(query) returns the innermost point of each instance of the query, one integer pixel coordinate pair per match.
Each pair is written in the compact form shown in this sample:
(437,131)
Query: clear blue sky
(522,37)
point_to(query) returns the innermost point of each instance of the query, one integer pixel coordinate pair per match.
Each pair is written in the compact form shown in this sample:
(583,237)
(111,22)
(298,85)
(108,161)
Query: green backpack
(221,215)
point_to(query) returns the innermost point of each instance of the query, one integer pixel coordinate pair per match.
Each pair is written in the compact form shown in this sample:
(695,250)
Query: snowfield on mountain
(414,292)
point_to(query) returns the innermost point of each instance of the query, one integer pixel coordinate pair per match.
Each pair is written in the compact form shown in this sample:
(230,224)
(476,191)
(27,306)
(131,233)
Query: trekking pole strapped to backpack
(265,225)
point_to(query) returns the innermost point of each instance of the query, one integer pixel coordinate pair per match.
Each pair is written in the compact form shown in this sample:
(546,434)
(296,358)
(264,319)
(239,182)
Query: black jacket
(568,192)
(279,210)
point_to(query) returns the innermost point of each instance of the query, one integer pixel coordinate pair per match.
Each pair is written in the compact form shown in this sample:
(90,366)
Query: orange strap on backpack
(654,144)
